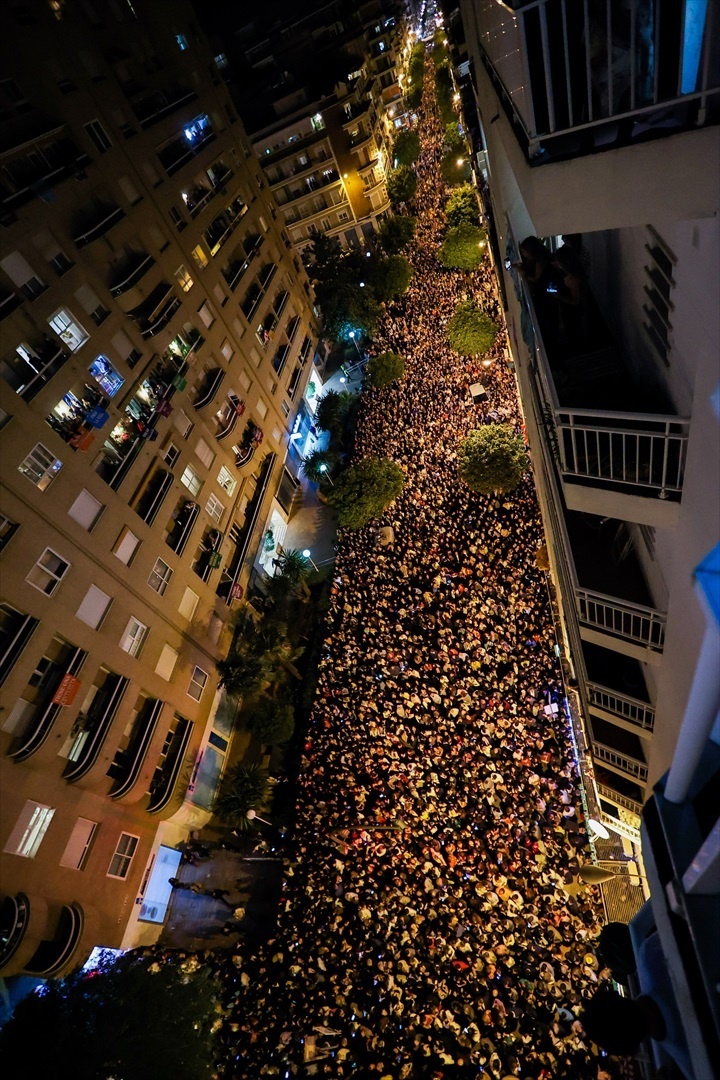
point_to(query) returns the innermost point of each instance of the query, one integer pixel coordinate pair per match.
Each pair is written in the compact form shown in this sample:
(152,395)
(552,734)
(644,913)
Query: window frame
(163,579)
(50,573)
(195,485)
(195,682)
(120,855)
(135,639)
(97,135)
(26,837)
(217,517)
(50,470)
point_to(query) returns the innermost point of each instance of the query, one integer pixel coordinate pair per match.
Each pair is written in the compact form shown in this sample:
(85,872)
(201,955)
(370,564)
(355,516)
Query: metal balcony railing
(95,727)
(620,762)
(615,797)
(208,390)
(101,224)
(127,764)
(37,731)
(167,772)
(132,275)
(636,712)
(621,618)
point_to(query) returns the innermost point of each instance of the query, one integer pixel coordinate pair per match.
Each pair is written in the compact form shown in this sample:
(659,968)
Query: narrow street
(423,928)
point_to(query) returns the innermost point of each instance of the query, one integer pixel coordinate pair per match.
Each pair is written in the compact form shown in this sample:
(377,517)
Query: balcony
(14,919)
(36,171)
(97,224)
(157,105)
(229,585)
(156,311)
(620,762)
(170,765)
(181,149)
(313,183)
(130,272)
(227,417)
(183,522)
(564,97)
(222,227)
(252,438)
(634,452)
(280,359)
(148,505)
(208,388)
(209,557)
(32,368)
(91,728)
(128,760)
(54,953)
(38,725)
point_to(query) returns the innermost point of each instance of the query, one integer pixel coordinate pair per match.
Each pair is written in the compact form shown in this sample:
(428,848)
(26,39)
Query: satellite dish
(597,830)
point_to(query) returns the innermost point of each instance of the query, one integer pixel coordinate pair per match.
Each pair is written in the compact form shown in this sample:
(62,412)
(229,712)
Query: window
(658,289)
(125,348)
(106,375)
(126,546)
(170,454)
(215,508)
(177,219)
(188,604)
(77,848)
(123,857)
(262,409)
(40,466)
(86,510)
(129,190)
(48,572)
(22,275)
(134,637)
(31,826)
(227,350)
(200,257)
(183,278)
(8,529)
(166,664)
(205,454)
(94,606)
(221,61)
(68,330)
(90,302)
(98,135)
(181,42)
(160,577)
(206,314)
(226,480)
(191,480)
(198,682)
(183,423)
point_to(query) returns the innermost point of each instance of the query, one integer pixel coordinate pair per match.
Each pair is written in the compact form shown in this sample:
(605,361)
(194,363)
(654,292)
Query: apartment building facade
(602,123)
(157,332)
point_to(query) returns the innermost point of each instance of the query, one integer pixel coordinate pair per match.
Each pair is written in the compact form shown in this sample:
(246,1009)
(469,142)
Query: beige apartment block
(157,334)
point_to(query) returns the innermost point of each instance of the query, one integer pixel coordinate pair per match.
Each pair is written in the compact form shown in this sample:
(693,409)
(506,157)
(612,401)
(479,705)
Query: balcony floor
(596,548)
(615,670)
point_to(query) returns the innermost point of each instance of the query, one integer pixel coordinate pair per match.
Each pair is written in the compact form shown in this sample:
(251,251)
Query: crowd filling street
(423,929)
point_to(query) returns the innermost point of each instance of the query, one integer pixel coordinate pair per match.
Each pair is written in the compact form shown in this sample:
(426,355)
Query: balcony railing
(631,709)
(621,618)
(620,762)
(167,773)
(14,917)
(181,150)
(210,386)
(36,732)
(152,498)
(52,954)
(156,310)
(614,796)
(127,763)
(94,727)
(98,225)
(27,375)
(182,527)
(153,108)
(232,412)
(132,273)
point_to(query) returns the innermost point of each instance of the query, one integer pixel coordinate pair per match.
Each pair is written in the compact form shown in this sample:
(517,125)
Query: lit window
(200,257)
(181,42)
(226,480)
(160,576)
(191,480)
(183,279)
(134,637)
(40,466)
(126,546)
(98,135)
(106,376)
(48,572)
(93,607)
(31,826)
(123,857)
(227,350)
(86,510)
(166,664)
(198,682)
(188,604)
(215,508)
(68,330)
(221,61)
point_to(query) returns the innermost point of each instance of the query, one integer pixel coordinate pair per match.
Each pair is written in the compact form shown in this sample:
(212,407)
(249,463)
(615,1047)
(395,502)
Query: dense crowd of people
(424,930)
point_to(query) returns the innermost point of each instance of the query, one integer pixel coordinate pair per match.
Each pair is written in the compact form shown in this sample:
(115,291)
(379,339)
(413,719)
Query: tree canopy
(470,331)
(332,411)
(462,206)
(454,140)
(455,169)
(406,148)
(385,369)
(396,232)
(344,303)
(272,721)
(318,464)
(492,458)
(463,247)
(365,490)
(129,1018)
(244,788)
(390,277)
(401,184)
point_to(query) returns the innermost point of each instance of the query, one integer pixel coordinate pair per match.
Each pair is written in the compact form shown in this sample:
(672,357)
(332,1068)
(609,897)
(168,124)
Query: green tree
(385,369)
(455,169)
(347,304)
(312,465)
(492,458)
(406,148)
(127,1019)
(272,722)
(462,206)
(463,247)
(293,566)
(365,490)
(390,277)
(396,232)
(454,140)
(244,788)
(470,331)
(444,94)
(413,97)
(332,412)
(401,184)
(242,673)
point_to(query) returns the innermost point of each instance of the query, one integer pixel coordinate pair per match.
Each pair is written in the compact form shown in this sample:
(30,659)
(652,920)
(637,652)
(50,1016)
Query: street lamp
(306,555)
(252,815)
(460,161)
(352,336)
(324,469)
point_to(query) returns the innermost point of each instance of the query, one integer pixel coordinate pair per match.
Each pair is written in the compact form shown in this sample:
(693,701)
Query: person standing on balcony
(535,267)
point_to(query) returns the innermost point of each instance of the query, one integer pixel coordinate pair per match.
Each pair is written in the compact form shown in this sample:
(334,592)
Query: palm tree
(293,566)
(246,787)
(312,465)
(242,673)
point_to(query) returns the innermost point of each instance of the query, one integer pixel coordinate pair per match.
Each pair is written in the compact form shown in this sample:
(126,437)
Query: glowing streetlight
(357,347)
(324,470)
(306,555)
(252,815)
(460,161)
